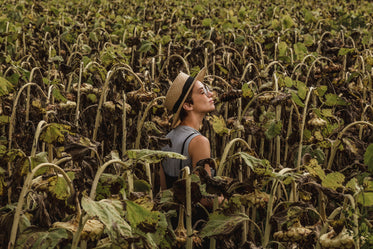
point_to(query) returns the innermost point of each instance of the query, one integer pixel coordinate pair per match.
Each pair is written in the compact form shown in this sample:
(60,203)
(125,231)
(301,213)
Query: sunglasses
(206,89)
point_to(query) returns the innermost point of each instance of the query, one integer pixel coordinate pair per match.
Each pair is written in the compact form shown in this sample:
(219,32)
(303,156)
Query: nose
(207,91)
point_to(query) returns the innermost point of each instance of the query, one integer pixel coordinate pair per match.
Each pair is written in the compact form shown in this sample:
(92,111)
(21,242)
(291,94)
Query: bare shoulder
(200,140)
(199,148)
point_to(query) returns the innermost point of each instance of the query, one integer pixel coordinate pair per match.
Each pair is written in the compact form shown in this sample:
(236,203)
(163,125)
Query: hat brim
(200,77)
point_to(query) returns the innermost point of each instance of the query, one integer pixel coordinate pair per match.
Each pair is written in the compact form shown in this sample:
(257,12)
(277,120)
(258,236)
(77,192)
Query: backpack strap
(171,179)
(182,149)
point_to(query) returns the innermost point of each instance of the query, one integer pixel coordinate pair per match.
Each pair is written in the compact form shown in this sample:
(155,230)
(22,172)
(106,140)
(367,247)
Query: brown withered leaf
(158,142)
(179,192)
(164,123)
(280,99)
(135,98)
(213,185)
(78,146)
(230,95)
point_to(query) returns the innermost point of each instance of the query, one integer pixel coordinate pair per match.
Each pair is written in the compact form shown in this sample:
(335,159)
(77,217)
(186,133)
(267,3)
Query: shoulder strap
(182,148)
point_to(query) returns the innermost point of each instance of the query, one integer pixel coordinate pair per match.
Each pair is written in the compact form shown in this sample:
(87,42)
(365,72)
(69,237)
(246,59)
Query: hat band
(186,87)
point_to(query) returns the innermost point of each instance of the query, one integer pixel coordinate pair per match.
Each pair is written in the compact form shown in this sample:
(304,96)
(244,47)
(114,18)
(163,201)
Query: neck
(194,121)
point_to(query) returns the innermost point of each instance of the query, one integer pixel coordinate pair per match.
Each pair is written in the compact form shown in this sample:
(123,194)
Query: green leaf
(140,185)
(287,22)
(308,40)
(319,155)
(259,166)
(140,217)
(45,81)
(56,58)
(296,99)
(8,59)
(39,158)
(317,134)
(219,224)
(194,71)
(107,57)
(321,90)
(247,92)
(87,60)
(353,184)
(365,199)
(207,22)
(315,169)
(352,76)
(58,186)
(4,119)
(273,129)
(152,156)
(146,46)
(333,180)
(308,16)
(250,160)
(327,112)
(345,51)
(16,155)
(366,39)
(240,40)
(333,100)
(242,11)
(300,50)
(282,47)
(302,89)
(5,86)
(160,237)
(166,39)
(25,74)
(54,133)
(108,185)
(110,213)
(2,182)
(93,36)
(307,134)
(275,24)
(330,129)
(368,158)
(14,79)
(2,171)
(33,238)
(152,127)
(58,95)
(24,223)
(86,49)
(198,8)
(3,151)
(92,97)
(218,124)
(222,69)
(288,82)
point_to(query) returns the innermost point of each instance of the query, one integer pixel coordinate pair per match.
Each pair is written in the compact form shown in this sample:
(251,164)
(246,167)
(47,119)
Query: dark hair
(188,100)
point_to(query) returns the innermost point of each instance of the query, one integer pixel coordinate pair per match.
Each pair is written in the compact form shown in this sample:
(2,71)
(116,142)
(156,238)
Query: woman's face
(202,98)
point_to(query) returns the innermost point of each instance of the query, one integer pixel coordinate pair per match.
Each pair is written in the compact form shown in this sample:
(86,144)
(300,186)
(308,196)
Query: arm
(199,148)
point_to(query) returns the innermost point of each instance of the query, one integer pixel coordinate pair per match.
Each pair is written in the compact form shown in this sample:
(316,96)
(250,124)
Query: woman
(189,100)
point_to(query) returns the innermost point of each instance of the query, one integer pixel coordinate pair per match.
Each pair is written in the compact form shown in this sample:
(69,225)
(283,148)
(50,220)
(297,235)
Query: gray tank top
(178,136)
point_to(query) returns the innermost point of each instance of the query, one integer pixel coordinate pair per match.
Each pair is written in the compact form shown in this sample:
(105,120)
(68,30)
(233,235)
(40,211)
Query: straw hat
(178,92)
